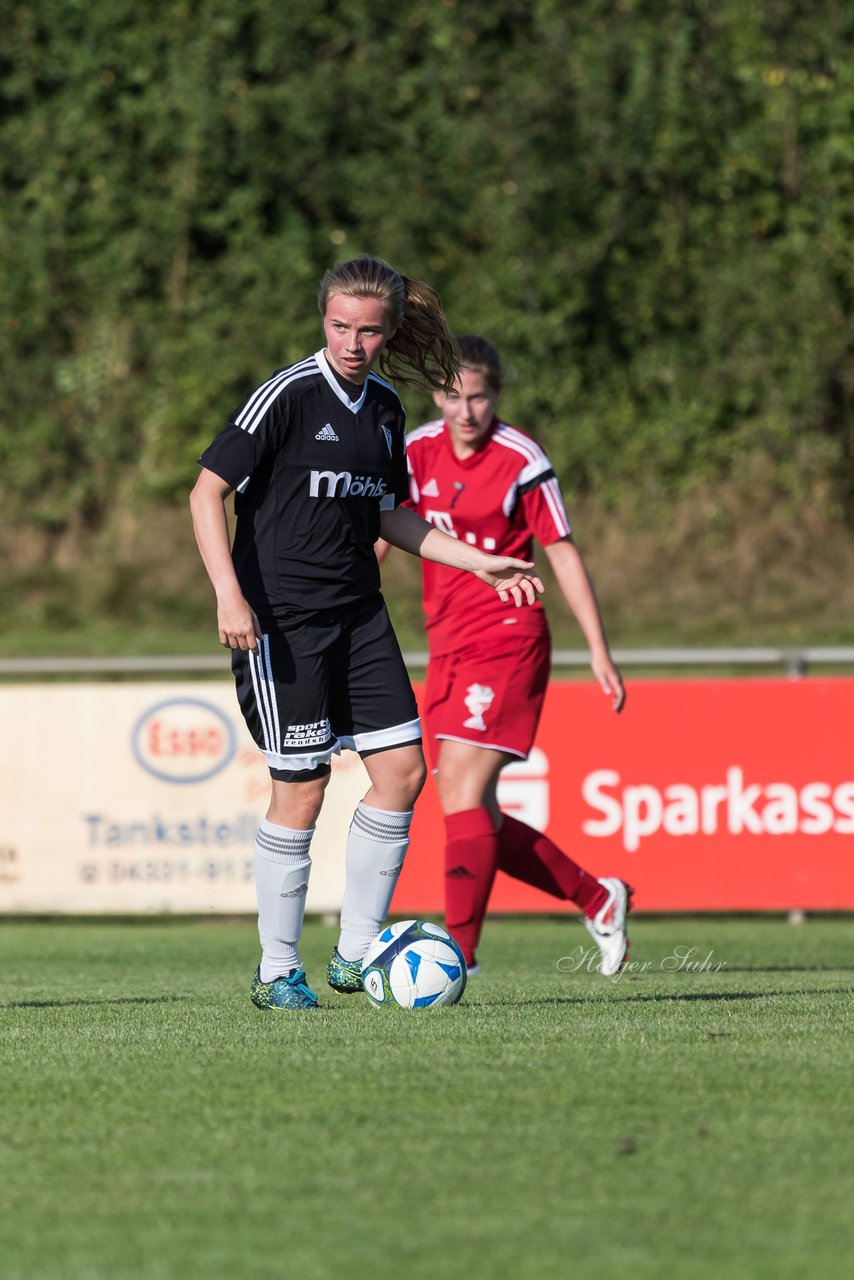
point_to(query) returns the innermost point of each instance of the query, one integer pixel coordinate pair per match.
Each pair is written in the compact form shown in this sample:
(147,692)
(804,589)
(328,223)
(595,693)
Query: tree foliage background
(647,204)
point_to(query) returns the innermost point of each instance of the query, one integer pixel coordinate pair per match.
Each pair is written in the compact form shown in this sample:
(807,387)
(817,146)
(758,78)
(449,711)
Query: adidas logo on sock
(326,433)
(299,892)
(460,873)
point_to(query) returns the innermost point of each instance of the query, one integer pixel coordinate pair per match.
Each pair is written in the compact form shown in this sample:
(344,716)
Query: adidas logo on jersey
(326,433)
(431,489)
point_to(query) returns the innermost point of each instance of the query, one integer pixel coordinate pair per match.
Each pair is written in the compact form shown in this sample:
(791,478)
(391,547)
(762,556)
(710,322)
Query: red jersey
(499,499)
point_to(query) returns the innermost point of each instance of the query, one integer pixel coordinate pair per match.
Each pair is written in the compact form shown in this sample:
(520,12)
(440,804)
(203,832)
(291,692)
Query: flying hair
(422,351)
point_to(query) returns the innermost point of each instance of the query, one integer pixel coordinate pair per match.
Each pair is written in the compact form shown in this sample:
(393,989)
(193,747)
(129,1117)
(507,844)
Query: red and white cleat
(608,926)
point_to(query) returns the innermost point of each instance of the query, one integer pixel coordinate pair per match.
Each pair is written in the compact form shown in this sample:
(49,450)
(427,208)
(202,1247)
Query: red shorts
(490,695)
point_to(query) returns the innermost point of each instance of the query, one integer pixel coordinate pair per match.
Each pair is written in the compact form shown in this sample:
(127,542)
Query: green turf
(555,1124)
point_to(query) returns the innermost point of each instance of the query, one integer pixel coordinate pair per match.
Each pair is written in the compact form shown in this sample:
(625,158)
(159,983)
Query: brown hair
(422,352)
(480,356)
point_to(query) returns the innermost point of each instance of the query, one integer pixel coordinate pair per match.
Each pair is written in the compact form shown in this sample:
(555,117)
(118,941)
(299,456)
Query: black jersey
(312,469)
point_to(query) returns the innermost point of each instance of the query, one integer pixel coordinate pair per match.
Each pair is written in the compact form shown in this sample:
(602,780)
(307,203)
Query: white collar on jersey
(353,405)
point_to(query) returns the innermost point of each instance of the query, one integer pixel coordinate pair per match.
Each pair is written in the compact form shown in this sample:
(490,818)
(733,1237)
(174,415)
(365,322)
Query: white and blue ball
(415,965)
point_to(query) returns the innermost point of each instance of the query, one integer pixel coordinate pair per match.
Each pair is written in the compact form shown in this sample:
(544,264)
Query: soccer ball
(414,964)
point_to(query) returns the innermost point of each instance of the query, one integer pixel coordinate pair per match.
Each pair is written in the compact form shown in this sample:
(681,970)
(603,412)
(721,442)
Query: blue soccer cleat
(344,975)
(290,991)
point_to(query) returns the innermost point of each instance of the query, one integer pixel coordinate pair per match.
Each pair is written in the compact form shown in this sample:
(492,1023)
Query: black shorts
(333,679)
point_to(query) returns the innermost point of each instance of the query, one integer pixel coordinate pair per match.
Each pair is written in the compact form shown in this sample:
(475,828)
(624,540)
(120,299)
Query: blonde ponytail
(422,352)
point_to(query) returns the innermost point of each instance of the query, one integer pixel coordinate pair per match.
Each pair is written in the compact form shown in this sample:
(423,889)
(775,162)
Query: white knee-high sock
(376,847)
(282,867)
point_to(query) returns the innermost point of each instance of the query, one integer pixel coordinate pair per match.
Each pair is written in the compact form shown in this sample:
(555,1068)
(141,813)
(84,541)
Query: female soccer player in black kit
(316,459)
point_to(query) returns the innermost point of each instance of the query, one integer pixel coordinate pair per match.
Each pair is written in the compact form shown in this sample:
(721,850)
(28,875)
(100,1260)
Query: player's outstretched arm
(236,622)
(577,589)
(512,579)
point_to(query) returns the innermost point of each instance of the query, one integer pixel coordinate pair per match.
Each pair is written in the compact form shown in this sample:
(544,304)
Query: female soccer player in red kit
(492,486)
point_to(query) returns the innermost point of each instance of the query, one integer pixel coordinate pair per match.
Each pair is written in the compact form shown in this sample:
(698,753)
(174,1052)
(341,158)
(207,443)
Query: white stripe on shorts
(261,680)
(487,746)
(271,686)
(299,764)
(395,736)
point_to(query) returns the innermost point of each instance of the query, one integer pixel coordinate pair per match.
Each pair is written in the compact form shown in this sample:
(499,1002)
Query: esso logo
(183,740)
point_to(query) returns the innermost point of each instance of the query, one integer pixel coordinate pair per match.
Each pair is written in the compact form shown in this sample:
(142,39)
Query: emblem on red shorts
(479,698)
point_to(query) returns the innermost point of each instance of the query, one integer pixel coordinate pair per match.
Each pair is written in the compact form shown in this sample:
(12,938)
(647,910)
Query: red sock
(532,857)
(471,856)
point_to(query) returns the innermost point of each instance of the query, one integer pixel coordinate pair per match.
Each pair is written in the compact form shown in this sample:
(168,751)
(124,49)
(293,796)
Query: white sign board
(129,798)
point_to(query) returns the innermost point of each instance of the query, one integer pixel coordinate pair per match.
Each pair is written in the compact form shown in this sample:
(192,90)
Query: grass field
(674,1123)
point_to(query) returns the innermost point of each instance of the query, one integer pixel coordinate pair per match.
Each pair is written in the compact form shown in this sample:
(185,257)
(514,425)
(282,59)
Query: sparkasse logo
(343,484)
(734,806)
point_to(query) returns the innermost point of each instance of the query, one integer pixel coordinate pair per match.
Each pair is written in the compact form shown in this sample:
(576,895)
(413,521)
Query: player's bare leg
(297,804)
(397,777)
(467,777)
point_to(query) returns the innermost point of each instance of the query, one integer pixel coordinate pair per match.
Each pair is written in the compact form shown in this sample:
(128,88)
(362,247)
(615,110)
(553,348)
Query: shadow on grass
(66,1004)
(630,998)
(790,968)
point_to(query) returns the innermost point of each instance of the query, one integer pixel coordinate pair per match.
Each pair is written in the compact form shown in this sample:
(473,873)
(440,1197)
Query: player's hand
(512,579)
(238,624)
(610,680)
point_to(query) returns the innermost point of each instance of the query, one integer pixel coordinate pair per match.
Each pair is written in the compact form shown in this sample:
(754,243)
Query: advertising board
(706,795)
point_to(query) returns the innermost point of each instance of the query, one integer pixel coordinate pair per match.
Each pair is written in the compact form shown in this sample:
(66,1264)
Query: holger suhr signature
(679,960)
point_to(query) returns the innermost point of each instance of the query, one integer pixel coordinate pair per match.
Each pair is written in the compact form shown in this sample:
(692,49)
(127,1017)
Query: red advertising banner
(706,795)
